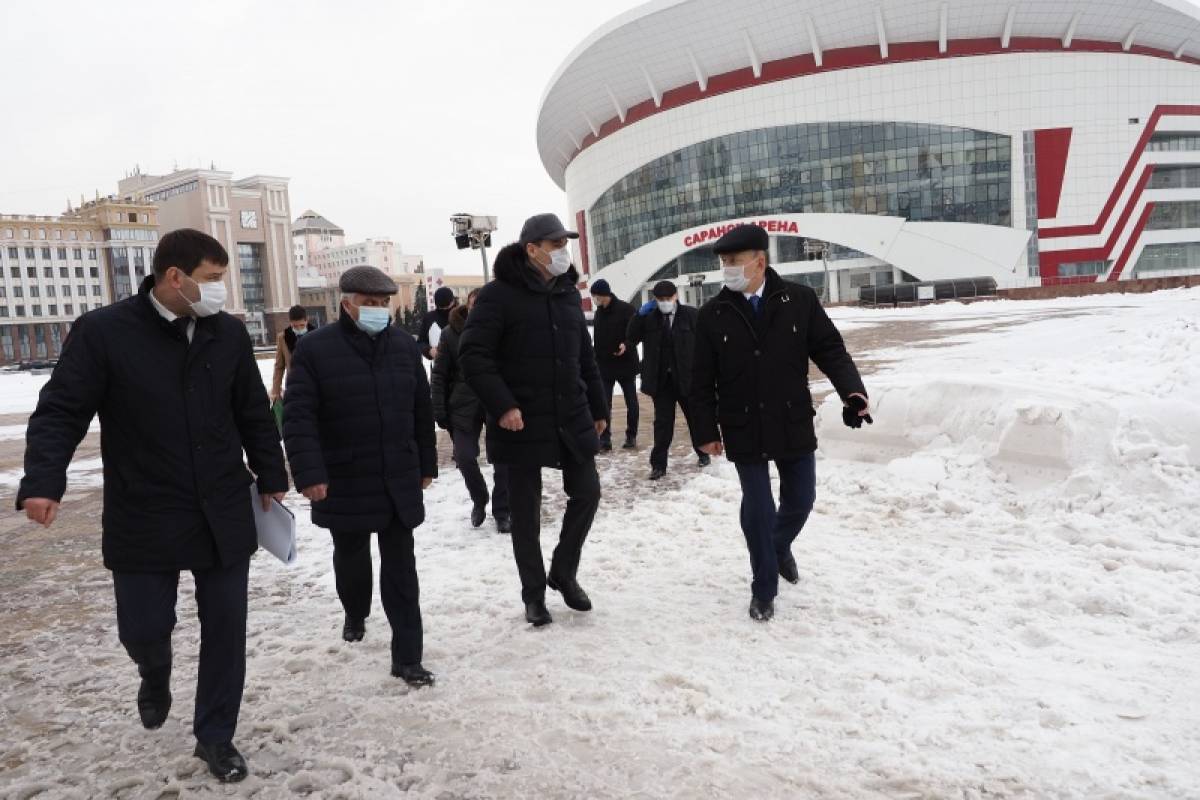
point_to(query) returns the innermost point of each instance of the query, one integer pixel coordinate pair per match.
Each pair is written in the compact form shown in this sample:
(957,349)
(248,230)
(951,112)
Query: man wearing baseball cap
(750,399)
(527,354)
(444,302)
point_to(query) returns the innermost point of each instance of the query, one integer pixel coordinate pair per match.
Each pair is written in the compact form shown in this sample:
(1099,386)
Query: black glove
(850,415)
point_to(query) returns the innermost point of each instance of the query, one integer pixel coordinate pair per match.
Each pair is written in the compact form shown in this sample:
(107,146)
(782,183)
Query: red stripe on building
(1051,147)
(1134,238)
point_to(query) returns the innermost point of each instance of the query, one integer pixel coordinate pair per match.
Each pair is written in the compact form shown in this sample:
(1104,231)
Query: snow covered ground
(1000,598)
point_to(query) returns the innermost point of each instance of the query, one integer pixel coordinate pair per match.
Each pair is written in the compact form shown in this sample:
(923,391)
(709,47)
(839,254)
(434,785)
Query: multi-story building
(251,217)
(331,262)
(312,233)
(56,268)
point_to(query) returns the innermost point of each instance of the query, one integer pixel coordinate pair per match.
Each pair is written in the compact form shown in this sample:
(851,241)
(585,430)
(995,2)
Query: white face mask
(560,261)
(735,278)
(666,306)
(212,298)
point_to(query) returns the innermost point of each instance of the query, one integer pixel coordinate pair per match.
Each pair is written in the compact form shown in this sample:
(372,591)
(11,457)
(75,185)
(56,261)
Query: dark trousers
(466,458)
(769,531)
(398,587)
(632,414)
(146,618)
(582,485)
(665,399)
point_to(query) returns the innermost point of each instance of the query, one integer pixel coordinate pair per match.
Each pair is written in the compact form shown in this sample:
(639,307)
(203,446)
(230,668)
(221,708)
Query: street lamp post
(473,231)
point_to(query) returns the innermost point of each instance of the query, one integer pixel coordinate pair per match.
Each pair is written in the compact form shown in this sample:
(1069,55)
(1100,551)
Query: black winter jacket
(357,416)
(526,346)
(440,316)
(650,331)
(610,327)
(751,372)
(174,421)
(455,406)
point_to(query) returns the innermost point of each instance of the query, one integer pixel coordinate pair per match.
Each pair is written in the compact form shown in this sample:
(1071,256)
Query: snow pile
(1000,598)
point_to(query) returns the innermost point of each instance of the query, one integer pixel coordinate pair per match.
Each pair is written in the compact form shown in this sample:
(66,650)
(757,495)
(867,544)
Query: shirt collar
(164,312)
(759,293)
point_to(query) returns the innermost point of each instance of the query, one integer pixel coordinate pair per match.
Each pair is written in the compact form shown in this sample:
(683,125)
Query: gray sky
(387,116)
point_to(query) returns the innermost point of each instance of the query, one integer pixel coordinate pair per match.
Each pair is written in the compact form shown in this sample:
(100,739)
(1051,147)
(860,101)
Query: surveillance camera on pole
(475,232)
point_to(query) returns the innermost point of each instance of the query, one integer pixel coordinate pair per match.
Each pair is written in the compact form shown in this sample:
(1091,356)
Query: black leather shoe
(572,593)
(224,761)
(414,675)
(705,459)
(536,614)
(657,473)
(630,443)
(761,610)
(788,570)
(354,629)
(503,523)
(478,514)
(154,700)
(606,446)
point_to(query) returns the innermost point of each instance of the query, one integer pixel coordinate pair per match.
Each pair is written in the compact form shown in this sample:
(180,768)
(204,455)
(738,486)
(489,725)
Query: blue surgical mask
(372,319)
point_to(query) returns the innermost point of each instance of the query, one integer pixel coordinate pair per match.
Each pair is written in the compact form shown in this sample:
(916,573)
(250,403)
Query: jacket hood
(458,318)
(511,266)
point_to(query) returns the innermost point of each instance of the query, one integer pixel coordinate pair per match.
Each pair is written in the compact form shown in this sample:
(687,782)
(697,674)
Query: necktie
(755,303)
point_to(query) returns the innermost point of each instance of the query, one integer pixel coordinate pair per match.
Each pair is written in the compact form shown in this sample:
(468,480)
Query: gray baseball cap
(545,227)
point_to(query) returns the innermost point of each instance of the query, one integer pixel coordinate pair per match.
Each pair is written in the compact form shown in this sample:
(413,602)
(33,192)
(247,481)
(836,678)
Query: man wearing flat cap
(528,357)
(666,329)
(617,358)
(750,399)
(358,428)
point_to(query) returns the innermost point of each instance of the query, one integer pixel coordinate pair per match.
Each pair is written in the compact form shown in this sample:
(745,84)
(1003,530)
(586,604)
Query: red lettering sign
(717,231)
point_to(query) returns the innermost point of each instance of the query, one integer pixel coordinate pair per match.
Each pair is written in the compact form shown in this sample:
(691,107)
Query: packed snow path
(1000,598)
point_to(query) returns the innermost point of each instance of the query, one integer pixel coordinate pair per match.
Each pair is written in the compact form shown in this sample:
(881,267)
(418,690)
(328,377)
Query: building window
(251,267)
(4,313)
(68,309)
(34,291)
(15,272)
(91,254)
(30,252)
(66,290)
(64,272)
(48,272)
(1174,142)
(79,272)
(61,253)
(87,235)
(58,233)
(31,272)
(24,233)
(8,233)
(14,252)
(119,261)
(3,291)
(95,291)
(37,311)
(1174,216)
(52,310)
(49,291)
(20,311)
(77,253)
(42,234)
(18,291)
(94,272)
(46,253)
(1168,258)
(74,235)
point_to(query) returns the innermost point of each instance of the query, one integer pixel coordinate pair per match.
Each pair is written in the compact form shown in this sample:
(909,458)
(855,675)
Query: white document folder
(276,528)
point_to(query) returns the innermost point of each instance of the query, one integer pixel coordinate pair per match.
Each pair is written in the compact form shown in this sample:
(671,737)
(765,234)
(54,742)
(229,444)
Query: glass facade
(919,172)
(1075,268)
(1174,216)
(122,283)
(1166,257)
(1178,142)
(1175,177)
(250,265)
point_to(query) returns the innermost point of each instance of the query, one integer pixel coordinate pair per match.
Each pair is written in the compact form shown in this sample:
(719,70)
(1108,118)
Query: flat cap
(741,239)
(366,280)
(664,289)
(545,228)
(601,288)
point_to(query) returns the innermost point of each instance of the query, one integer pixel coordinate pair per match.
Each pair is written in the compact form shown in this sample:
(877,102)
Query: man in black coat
(527,354)
(617,359)
(180,398)
(444,302)
(457,410)
(666,329)
(750,399)
(358,427)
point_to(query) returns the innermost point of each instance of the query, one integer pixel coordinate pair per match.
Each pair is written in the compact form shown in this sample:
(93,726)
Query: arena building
(884,142)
